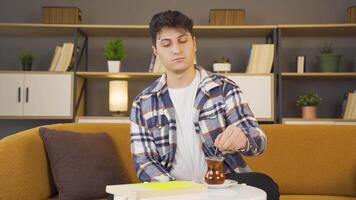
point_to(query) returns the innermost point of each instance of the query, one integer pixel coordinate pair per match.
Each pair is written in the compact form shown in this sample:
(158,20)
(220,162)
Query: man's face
(175,48)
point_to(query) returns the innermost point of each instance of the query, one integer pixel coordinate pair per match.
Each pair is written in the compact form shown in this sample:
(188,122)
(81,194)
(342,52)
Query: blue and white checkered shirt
(218,104)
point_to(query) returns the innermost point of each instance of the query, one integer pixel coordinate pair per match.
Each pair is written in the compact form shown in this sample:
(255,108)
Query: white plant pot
(222,67)
(114,66)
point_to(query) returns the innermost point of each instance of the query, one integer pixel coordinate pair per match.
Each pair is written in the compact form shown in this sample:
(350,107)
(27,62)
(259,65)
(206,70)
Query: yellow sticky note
(171,185)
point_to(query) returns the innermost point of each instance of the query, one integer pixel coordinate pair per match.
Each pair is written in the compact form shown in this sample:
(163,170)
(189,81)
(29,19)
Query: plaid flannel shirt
(218,104)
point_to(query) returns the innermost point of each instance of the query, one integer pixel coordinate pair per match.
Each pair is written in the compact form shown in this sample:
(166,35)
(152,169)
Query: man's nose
(176,48)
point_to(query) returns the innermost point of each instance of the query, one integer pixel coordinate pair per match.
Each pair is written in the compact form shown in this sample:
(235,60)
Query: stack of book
(62,58)
(155,189)
(261,58)
(350,109)
(156,65)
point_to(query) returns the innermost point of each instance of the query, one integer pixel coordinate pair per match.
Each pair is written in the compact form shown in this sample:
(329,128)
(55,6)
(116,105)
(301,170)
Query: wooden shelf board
(31,29)
(319,121)
(37,29)
(121,75)
(101,119)
(320,75)
(37,117)
(319,30)
(31,72)
(234,31)
(142,75)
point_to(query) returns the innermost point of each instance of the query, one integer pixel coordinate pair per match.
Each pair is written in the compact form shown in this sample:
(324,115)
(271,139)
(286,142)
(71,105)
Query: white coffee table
(237,192)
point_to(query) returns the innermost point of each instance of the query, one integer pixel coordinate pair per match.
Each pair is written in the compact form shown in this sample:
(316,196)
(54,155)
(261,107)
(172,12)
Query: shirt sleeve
(239,113)
(143,150)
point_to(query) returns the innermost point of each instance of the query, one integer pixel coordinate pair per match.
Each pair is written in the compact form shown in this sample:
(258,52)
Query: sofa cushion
(82,164)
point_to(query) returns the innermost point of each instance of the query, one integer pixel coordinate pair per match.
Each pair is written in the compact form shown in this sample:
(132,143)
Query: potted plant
(329,61)
(308,102)
(26,58)
(114,53)
(222,65)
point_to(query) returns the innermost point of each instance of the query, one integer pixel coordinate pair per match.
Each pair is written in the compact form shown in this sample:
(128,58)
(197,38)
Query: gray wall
(139,51)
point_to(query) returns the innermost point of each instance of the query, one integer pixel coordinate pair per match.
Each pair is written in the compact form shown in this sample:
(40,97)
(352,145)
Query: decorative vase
(309,112)
(329,62)
(114,66)
(222,67)
(215,174)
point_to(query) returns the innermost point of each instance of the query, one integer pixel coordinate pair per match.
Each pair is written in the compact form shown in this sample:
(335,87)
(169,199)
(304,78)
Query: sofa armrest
(23,167)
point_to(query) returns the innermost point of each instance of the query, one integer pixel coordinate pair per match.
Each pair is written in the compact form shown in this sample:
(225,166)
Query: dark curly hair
(169,18)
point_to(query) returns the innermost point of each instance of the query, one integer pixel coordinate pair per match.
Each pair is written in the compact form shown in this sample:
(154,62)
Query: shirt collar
(209,81)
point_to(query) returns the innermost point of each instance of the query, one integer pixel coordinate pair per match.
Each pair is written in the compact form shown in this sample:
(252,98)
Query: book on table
(156,189)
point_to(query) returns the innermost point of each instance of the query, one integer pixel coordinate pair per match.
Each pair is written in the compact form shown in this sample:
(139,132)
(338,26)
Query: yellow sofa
(308,162)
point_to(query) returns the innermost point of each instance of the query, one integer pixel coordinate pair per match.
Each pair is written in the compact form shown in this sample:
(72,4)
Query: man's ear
(154,50)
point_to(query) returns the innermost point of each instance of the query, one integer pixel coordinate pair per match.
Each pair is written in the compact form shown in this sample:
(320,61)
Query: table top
(237,192)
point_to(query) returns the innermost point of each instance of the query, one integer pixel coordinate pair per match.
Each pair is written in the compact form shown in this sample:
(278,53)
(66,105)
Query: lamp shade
(118,97)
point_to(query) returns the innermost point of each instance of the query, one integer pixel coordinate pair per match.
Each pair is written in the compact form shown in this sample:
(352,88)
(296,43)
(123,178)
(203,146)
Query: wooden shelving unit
(270,32)
(326,83)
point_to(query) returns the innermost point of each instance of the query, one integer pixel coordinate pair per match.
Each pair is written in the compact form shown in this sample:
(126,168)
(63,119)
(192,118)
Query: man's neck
(180,80)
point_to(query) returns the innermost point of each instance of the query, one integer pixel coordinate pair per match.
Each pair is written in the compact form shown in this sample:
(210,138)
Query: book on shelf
(65,58)
(156,65)
(55,58)
(156,189)
(261,58)
(350,108)
(300,64)
(152,63)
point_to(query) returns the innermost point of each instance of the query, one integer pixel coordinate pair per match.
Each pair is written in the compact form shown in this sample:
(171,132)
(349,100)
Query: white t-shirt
(189,162)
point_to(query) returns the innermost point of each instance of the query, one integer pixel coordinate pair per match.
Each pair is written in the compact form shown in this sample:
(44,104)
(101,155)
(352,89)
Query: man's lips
(178,59)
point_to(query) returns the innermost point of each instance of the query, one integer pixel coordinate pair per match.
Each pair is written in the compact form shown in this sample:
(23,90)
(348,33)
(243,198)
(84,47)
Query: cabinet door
(258,92)
(11,99)
(48,95)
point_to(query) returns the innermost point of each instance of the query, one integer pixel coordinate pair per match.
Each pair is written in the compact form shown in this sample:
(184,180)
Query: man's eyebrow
(184,34)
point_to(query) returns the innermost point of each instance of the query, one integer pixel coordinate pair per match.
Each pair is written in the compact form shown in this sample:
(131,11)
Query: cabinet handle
(27,94)
(19,94)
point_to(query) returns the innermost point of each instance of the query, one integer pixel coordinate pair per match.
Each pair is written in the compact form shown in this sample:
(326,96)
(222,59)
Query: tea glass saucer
(227,183)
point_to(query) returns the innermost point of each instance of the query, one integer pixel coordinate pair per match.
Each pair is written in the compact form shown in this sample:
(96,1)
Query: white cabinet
(11,91)
(36,95)
(258,91)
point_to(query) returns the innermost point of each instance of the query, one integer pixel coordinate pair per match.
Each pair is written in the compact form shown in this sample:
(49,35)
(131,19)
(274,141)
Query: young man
(182,117)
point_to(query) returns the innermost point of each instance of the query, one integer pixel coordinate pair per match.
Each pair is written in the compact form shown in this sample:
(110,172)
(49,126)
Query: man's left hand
(231,139)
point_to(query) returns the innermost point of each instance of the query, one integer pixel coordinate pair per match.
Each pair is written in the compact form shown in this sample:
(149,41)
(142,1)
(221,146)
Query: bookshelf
(283,80)
(331,86)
